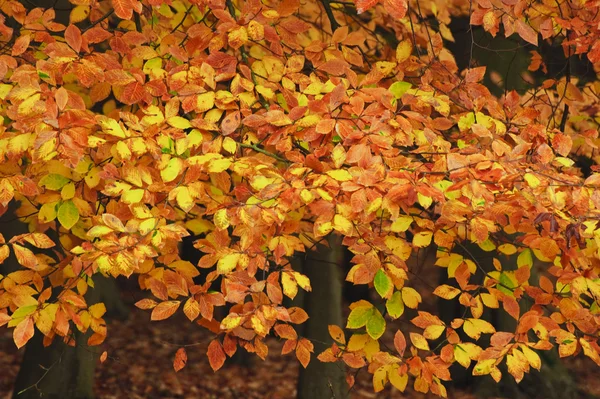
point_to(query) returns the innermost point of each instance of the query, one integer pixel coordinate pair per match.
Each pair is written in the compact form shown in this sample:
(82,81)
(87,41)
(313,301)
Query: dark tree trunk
(60,371)
(324,307)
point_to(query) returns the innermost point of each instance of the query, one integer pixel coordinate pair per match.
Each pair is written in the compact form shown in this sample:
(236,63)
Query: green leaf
(525,258)
(54,181)
(395,305)
(359,317)
(506,284)
(376,325)
(383,284)
(399,88)
(68,214)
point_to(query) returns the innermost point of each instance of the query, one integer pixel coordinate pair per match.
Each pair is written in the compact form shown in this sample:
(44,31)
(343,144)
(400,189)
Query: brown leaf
(73,37)
(20,45)
(164,310)
(23,332)
(303,351)
(180,359)
(216,355)
(400,342)
(396,8)
(526,32)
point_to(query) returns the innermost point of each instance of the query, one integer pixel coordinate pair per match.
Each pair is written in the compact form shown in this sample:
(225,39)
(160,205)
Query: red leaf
(396,8)
(364,5)
(400,342)
(23,332)
(73,37)
(164,310)
(180,359)
(511,306)
(133,93)
(21,45)
(303,351)
(123,8)
(526,32)
(216,355)
(25,257)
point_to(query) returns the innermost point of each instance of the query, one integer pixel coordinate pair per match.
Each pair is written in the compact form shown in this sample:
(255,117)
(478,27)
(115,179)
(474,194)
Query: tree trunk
(60,371)
(324,307)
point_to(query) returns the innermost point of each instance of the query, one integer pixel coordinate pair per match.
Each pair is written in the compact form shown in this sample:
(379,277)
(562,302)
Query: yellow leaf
(422,239)
(308,121)
(133,196)
(228,263)
(343,225)
(433,332)
(229,145)
(399,247)
(401,224)
(221,219)
(474,327)
(274,68)
(380,378)
(411,297)
(172,170)
(112,127)
(507,249)
(179,122)
(532,357)
(4,90)
(219,165)
(339,174)
(419,341)
(231,321)
(47,212)
(403,51)
(68,214)
(205,101)
(184,199)
(306,196)
(397,380)
(446,292)
(385,67)
(97,310)
(79,13)
(302,281)
(258,326)
(290,287)
(532,180)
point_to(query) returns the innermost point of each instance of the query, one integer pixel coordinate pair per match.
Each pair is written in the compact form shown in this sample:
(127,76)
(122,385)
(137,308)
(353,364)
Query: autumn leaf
(23,332)
(164,310)
(526,32)
(216,355)
(364,5)
(180,359)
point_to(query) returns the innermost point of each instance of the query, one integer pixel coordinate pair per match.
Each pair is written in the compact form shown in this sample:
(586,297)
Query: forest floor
(140,356)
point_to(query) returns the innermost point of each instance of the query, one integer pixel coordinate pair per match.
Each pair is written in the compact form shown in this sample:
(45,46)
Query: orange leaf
(396,8)
(526,32)
(364,5)
(303,351)
(73,37)
(164,310)
(216,355)
(21,45)
(400,342)
(180,359)
(23,332)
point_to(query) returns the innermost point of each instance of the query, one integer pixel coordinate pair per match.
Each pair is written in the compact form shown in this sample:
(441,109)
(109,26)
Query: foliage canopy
(264,126)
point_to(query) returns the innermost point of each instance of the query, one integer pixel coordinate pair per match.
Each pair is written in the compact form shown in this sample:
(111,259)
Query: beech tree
(269,128)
